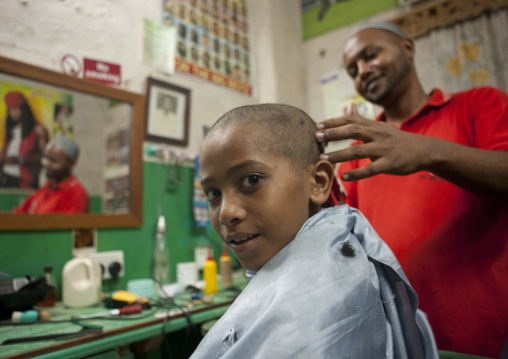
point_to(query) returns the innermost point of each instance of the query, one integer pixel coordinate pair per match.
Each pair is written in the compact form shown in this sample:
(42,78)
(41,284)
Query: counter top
(116,330)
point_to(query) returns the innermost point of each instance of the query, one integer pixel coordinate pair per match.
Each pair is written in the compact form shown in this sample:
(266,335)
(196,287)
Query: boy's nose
(231,212)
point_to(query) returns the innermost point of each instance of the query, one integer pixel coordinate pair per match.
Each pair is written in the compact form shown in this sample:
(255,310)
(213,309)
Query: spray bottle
(161,254)
(210,273)
(226,268)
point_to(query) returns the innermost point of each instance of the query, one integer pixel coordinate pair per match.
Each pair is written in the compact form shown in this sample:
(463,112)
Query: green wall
(26,252)
(342,13)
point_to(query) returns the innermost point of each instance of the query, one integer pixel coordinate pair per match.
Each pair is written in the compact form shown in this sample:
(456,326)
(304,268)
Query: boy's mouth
(239,239)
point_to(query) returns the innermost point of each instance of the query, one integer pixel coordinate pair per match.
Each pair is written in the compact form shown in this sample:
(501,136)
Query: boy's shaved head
(282,130)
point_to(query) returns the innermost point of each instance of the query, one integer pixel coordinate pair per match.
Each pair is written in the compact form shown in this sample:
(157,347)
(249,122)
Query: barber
(431,175)
(62,193)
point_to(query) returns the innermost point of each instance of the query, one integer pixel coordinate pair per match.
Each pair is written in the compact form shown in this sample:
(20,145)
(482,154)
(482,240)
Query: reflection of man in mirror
(62,193)
(25,138)
(164,119)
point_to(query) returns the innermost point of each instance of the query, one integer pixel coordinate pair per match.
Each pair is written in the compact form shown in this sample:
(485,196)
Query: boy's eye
(250,180)
(212,194)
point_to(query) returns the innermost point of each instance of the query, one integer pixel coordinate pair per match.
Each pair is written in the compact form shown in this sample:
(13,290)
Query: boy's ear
(321,182)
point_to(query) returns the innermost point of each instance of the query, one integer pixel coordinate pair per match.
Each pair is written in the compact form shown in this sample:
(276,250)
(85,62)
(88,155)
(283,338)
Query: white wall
(324,54)
(40,31)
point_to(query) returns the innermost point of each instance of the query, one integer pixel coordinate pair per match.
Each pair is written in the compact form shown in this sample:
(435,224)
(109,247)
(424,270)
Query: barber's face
(378,63)
(56,163)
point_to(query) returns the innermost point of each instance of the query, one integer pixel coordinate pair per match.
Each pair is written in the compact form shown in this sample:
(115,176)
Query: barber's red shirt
(68,196)
(452,244)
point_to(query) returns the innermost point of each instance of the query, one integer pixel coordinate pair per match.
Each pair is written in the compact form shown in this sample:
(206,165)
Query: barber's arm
(396,152)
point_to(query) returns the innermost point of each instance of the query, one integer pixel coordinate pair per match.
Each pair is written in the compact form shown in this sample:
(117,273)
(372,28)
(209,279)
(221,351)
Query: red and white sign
(71,65)
(102,71)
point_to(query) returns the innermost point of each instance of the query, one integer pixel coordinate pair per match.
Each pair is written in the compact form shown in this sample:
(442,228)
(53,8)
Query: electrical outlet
(105,259)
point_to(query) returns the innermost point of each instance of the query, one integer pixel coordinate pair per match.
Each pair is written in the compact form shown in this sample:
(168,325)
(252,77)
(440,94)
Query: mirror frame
(74,221)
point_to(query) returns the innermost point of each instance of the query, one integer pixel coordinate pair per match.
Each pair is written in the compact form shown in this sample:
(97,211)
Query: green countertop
(116,332)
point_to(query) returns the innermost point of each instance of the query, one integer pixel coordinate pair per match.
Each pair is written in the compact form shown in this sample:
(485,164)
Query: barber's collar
(64,185)
(437,98)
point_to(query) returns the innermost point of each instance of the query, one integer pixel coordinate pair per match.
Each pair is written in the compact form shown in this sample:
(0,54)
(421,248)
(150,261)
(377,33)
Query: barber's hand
(390,150)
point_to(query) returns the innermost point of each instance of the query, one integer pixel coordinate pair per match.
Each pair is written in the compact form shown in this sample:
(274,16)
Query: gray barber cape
(335,291)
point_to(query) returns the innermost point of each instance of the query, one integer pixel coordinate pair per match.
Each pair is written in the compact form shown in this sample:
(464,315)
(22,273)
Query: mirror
(106,123)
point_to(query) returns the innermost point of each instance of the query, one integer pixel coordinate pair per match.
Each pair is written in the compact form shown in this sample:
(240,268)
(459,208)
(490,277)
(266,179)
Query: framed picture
(167,113)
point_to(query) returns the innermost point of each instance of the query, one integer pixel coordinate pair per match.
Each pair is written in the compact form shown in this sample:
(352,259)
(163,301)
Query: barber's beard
(396,74)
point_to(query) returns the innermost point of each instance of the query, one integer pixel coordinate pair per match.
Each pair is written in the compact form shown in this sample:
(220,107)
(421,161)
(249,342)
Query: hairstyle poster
(212,41)
(52,109)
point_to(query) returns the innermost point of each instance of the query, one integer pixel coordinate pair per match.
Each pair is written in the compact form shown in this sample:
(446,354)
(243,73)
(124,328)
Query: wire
(168,302)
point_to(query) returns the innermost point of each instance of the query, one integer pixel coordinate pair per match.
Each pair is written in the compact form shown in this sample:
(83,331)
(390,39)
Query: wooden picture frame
(167,113)
(42,77)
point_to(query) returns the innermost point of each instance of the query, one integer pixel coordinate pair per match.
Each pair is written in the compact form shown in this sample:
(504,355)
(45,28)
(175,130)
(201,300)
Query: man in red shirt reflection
(62,193)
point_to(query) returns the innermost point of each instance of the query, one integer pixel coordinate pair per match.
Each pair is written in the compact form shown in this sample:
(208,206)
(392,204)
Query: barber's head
(60,156)
(379,59)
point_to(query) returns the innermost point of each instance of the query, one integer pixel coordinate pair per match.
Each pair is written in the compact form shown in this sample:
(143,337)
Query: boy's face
(257,201)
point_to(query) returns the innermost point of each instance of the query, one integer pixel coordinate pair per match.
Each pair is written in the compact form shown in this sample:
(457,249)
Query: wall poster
(212,40)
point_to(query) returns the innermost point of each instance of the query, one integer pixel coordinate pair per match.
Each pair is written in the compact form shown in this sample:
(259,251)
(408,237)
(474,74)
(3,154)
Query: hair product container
(81,283)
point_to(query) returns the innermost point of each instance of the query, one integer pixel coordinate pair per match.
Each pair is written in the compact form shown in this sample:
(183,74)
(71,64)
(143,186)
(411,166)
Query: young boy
(322,283)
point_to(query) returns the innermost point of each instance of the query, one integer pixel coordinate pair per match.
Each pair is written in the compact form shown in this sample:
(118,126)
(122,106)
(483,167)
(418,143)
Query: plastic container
(161,255)
(49,299)
(81,283)
(226,268)
(210,274)
(186,274)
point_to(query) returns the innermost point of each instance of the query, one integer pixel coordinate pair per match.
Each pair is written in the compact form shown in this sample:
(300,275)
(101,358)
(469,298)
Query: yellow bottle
(226,268)
(210,274)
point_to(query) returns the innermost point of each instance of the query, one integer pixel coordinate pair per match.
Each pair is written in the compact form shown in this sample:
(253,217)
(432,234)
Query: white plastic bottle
(161,255)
